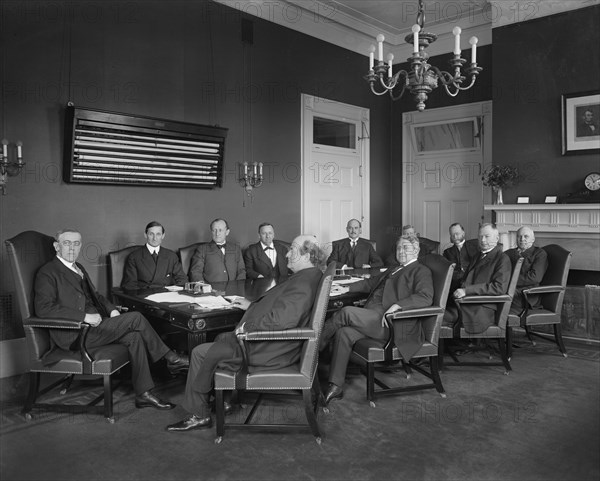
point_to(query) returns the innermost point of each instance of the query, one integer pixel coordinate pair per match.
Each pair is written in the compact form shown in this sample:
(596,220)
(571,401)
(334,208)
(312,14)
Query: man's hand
(240,329)
(458,293)
(241,303)
(114,313)
(260,276)
(93,319)
(339,290)
(366,266)
(393,308)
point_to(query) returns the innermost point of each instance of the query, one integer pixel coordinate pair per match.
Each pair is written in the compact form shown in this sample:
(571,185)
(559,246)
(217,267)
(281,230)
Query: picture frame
(581,122)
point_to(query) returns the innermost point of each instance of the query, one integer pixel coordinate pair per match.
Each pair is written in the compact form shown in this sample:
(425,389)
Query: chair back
(186,254)
(310,350)
(559,262)
(502,313)
(441,270)
(116,265)
(27,252)
(428,246)
(372,242)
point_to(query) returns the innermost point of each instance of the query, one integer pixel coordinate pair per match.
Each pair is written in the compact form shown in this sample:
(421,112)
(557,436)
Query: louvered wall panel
(111,148)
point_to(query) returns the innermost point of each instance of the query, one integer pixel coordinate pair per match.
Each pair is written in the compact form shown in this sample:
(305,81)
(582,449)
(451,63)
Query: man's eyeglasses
(67,243)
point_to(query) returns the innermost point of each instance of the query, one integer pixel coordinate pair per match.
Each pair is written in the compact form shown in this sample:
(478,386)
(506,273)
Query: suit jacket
(209,265)
(58,293)
(141,271)
(258,263)
(489,276)
(363,253)
(410,288)
(286,306)
(462,258)
(535,263)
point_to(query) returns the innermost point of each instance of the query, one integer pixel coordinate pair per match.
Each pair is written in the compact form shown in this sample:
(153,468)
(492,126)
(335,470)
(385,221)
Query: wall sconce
(252,176)
(8,168)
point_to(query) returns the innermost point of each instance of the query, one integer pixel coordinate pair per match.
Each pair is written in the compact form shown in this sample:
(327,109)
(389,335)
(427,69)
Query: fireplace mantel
(576,227)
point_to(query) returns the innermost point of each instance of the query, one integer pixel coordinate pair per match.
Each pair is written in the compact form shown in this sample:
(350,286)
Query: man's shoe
(334,392)
(179,364)
(191,423)
(149,400)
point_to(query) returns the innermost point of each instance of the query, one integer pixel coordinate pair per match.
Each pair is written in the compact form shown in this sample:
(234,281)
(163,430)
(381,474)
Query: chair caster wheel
(218,440)
(408,376)
(509,359)
(63,391)
(318,440)
(326,410)
(443,395)
(372,404)
(28,417)
(533,343)
(564,354)
(110,420)
(506,373)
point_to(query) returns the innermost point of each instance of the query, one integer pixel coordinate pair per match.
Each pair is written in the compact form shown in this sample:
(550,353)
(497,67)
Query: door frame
(455,112)
(311,105)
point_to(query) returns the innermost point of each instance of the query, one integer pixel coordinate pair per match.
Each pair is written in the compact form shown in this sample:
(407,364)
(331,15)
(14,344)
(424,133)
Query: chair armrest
(412,313)
(282,335)
(484,299)
(52,323)
(543,290)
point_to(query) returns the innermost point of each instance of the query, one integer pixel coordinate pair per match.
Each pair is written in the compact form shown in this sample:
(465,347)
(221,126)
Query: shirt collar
(264,246)
(460,244)
(152,249)
(69,265)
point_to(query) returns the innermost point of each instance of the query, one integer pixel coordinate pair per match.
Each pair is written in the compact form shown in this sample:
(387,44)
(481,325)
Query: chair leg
(310,414)
(220,415)
(435,375)
(440,356)
(407,369)
(318,393)
(108,399)
(34,384)
(505,361)
(559,339)
(67,384)
(509,342)
(371,383)
(528,332)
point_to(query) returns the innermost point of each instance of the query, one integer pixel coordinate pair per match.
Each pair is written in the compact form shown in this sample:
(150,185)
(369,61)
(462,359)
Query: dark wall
(178,60)
(535,63)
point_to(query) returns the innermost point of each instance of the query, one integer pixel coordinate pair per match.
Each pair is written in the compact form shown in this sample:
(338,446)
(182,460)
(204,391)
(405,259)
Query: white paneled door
(335,168)
(444,152)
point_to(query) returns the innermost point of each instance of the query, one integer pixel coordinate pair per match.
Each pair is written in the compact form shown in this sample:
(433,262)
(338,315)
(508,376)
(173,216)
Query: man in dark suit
(460,253)
(285,306)
(64,290)
(354,252)
(487,275)
(217,261)
(535,263)
(152,265)
(266,258)
(409,286)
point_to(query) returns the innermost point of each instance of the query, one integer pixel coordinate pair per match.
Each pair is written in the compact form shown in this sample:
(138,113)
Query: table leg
(195,338)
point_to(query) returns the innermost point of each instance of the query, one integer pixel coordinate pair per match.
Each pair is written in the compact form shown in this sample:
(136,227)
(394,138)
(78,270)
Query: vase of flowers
(499,176)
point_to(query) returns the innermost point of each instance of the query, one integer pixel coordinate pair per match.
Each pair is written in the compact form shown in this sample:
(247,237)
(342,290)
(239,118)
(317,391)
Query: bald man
(535,263)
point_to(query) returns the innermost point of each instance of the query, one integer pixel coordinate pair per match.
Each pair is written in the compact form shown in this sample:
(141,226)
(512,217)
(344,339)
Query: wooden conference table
(199,323)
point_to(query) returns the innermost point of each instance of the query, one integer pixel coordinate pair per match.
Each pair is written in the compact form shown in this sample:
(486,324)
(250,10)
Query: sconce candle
(20,152)
(260,167)
(416,29)
(380,39)
(4,148)
(456,31)
(473,41)
(371,57)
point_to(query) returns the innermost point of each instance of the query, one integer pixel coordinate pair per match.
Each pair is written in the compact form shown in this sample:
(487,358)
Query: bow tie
(269,247)
(221,246)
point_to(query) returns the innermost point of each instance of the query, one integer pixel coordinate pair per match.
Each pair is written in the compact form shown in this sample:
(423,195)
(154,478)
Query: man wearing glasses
(64,290)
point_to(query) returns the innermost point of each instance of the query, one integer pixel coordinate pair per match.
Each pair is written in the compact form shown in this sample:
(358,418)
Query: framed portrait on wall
(581,123)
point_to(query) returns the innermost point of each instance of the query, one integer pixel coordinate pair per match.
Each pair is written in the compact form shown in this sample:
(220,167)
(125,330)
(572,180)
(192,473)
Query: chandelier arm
(392,83)
(375,91)
(396,97)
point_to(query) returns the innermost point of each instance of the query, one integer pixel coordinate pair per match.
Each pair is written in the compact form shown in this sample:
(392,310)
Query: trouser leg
(342,349)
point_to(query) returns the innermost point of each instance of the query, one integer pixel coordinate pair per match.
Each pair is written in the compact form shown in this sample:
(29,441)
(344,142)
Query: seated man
(266,258)
(487,275)
(152,265)
(287,305)
(217,261)
(409,286)
(460,253)
(64,290)
(535,263)
(354,252)
(425,245)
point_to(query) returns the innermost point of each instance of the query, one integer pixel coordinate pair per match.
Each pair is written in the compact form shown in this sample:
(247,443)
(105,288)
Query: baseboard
(13,357)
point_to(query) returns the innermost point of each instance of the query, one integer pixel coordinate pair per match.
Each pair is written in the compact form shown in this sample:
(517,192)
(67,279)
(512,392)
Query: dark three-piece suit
(285,306)
(210,265)
(258,262)
(535,263)
(142,271)
(461,258)
(363,253)
(410,287)
(62,293)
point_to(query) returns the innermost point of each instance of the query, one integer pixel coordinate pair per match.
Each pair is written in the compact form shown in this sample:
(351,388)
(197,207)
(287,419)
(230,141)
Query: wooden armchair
(377,355)
(27,252)
(299,377)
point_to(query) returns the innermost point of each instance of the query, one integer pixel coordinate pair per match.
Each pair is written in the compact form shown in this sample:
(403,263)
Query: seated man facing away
(152,265)
(286,306)
(461,253)
(535,263)
(487,275)
(409,286)
(217,261)
(354,252)
(266,258)
(64,290)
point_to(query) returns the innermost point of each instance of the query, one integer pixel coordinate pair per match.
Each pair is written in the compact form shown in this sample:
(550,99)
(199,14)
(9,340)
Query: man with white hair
(535,263)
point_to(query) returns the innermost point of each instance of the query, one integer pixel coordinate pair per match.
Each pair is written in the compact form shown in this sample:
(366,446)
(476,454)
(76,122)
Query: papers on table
(343,282)
(206,302)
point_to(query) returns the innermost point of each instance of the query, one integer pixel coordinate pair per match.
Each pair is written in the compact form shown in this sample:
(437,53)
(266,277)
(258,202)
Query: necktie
(155,256)
(222,247)
(79,271)
(353,244)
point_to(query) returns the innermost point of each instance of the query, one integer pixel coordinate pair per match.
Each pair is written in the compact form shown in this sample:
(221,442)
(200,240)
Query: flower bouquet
(499,176)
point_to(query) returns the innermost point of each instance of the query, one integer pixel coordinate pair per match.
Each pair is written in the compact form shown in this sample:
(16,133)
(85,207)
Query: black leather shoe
(179,364)
(334,392)
(191,423)
(149,400)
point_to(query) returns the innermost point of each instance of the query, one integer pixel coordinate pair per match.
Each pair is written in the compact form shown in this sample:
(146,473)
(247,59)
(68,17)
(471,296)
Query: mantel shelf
(510,207)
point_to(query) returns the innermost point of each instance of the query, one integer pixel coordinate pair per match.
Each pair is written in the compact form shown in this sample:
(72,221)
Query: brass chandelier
(422,78)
